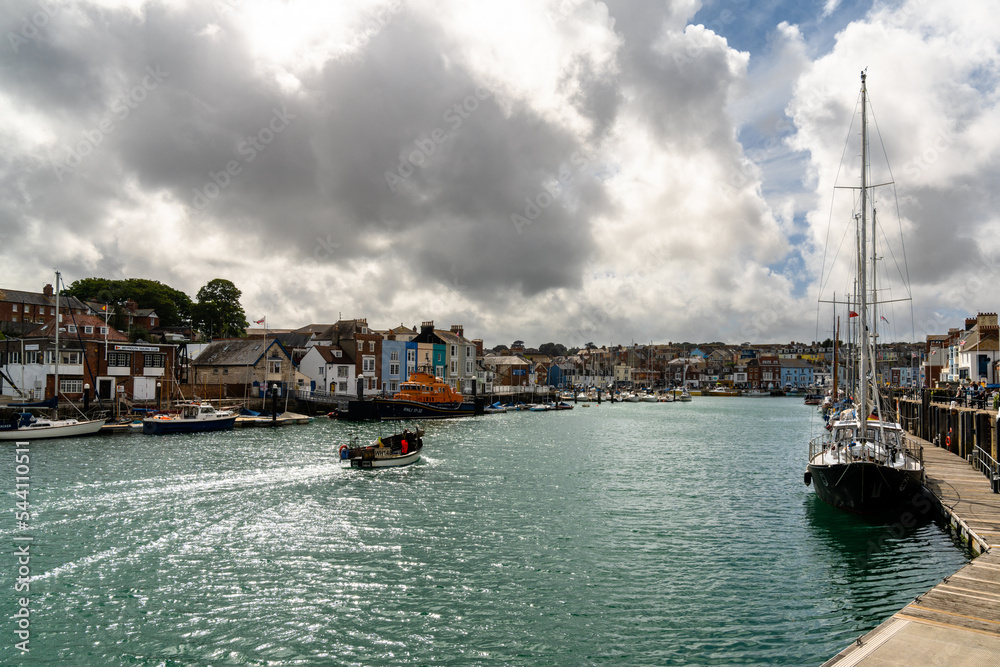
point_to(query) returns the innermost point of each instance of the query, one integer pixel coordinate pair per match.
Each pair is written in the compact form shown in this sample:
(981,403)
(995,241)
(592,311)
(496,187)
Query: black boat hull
(864,487)
(388,408)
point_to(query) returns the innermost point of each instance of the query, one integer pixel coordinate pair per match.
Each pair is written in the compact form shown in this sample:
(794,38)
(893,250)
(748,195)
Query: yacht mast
(56,373)
(863,259)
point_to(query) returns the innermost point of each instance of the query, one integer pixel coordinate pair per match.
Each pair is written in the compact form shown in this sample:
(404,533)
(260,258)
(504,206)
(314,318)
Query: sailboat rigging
(865,463)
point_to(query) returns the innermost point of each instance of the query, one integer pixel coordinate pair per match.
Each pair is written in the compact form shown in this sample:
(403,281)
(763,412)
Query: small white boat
(24,426)
(400,449)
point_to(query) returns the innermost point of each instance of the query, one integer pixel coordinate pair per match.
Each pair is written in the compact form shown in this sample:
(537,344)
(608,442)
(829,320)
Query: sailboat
(25,426)
(865,463)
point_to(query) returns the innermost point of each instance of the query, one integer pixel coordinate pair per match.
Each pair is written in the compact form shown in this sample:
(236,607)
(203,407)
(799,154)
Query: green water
(627,534)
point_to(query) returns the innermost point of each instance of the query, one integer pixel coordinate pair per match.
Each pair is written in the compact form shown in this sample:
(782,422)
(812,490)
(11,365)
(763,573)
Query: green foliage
(172,306)
(552,349)
(218,312)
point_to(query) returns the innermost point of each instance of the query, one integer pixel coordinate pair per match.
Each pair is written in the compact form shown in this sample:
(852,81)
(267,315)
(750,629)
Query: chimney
(457,330)
(986,320)
(131,305)
(427,326)
(478,342)
(48,291)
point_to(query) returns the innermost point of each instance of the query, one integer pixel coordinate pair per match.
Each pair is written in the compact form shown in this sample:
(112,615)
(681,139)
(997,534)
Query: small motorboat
(400,449)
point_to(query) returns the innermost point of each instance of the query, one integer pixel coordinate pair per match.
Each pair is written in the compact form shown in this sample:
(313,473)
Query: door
(104,388)
(144,389)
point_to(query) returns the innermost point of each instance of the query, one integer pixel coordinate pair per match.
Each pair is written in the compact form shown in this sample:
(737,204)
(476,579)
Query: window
(468,367)
(342,371)
(336,353)
(13,318)
(88,329)
(274,367)
(468,351)
(70,358)
(50,356)
(215,371)
(16,356)
(119,359)
(71,386)
(319,371)
(342,387)
(153,360)
(29,357)
(15,308)
(71,328)
(225,371)
(368,364)
(454,366)
(52,311)
(454,350)
(394,355)
(394,368)
(411,357)
(104,331)
(371,346)
(394,387)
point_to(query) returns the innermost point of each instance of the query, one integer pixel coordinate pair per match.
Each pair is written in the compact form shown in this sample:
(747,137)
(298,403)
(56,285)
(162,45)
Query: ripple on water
(628,534)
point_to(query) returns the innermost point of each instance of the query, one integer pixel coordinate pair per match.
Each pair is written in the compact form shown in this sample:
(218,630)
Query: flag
(104,307)
(260,321)
(882,317)
(852,314)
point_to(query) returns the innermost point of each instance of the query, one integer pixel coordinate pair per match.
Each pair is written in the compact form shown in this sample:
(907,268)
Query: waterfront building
(244,368)
(394,366)
(94,359)
(21,312)
(796,374)
(329,370)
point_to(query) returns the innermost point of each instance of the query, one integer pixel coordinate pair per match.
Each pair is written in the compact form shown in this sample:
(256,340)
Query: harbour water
(638,534)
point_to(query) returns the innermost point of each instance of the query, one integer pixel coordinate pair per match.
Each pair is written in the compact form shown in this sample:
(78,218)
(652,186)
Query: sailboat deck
(956,623)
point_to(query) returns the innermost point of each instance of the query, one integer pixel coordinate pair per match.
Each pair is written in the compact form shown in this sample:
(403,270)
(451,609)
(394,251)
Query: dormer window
(336,353)
(71,328)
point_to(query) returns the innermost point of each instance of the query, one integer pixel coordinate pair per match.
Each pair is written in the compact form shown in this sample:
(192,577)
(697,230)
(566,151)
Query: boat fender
(343,452)
(807,478)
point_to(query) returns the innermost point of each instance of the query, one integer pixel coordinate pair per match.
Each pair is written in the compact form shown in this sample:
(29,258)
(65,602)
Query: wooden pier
(956,623)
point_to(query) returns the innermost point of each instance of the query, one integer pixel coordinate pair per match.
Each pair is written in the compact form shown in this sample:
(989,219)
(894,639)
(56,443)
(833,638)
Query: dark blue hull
(164,426)
(389,408)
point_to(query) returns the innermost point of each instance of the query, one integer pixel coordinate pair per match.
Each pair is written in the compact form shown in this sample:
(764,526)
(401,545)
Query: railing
(986,464)
(910,447)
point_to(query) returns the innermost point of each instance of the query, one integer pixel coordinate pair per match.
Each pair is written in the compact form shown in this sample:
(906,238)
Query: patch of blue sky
(747,24)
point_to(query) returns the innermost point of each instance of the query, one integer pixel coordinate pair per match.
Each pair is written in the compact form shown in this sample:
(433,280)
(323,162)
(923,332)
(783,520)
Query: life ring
(343,451)
(947,441)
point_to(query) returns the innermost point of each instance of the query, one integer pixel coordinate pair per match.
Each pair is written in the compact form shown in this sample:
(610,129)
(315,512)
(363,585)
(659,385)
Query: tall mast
(58,290)
(863,259)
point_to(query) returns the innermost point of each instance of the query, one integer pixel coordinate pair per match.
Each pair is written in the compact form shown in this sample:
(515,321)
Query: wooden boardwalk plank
(956,623)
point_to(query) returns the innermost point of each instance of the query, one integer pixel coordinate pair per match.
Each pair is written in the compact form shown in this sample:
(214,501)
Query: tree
(552,349)
(517,343)
(172,306)
(218,312)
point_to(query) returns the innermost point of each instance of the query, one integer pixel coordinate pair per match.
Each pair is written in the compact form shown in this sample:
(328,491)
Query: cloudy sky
(563,170)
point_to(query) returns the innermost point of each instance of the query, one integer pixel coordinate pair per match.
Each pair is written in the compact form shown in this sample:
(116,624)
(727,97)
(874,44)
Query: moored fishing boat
(424,396)
(400,449)
(194,417)
(865,463)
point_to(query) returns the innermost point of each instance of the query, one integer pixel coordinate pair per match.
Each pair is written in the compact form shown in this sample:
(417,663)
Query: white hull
(389,462)
(59,429)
